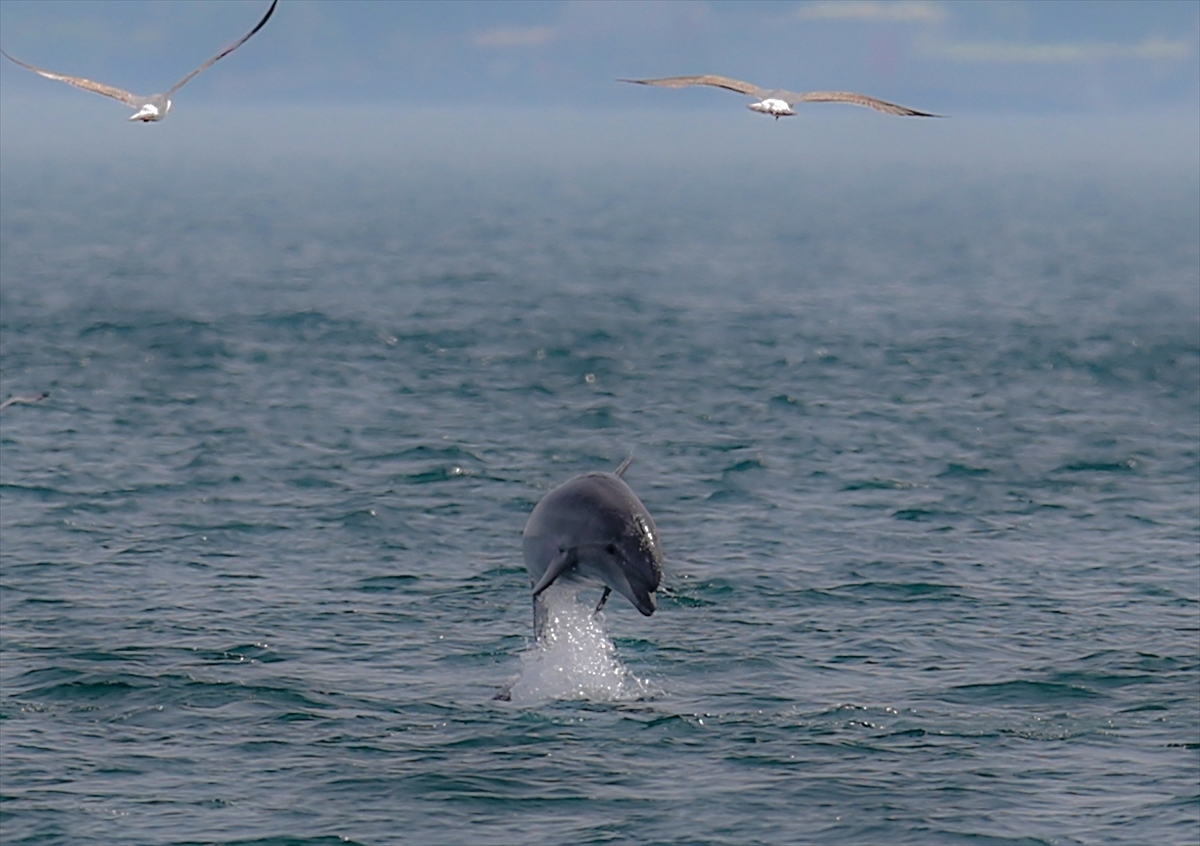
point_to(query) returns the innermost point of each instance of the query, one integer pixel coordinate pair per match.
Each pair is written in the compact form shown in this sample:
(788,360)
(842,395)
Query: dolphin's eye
(611,549)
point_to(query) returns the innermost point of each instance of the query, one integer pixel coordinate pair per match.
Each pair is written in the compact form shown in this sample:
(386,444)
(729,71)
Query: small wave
(1020,691)
(327,840)
(574,659)
(894,591)
(966,471)
(1123,466)
(878,485)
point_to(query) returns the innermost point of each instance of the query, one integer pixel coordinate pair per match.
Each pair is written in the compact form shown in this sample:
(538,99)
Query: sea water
(922,449)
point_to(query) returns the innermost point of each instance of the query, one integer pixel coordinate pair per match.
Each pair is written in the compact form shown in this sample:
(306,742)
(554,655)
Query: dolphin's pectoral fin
(539,617)
(620,471)
(603,599)
(559,565)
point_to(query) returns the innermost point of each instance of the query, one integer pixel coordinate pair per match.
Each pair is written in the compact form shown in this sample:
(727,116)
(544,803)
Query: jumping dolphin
(777,102)
(593,529)
(156,106)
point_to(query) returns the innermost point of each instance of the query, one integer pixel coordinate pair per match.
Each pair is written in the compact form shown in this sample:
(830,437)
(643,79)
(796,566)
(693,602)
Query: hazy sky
(961,57)
(472,82)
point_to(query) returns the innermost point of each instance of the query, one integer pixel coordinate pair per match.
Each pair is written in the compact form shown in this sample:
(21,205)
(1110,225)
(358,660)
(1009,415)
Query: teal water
(923,451)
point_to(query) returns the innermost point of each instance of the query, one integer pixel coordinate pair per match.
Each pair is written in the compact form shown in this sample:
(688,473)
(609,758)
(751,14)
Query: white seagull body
(777,102)
(156,106)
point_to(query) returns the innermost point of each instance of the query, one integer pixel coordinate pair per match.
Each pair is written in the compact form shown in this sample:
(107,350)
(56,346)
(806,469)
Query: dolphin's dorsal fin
(620,471)
(556,568)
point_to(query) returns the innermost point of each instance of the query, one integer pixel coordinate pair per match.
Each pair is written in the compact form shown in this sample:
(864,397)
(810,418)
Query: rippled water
(924,461)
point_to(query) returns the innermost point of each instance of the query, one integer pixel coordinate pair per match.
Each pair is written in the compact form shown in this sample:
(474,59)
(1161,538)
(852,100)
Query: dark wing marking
(703,79)
(224,52)
(86,84)
(854,99)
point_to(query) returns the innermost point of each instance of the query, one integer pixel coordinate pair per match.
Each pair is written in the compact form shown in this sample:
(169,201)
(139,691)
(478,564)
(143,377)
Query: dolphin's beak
(646,604)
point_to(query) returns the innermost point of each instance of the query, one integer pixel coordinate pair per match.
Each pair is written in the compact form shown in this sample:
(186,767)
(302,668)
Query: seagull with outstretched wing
(156,106)
(23,398)
(778,102)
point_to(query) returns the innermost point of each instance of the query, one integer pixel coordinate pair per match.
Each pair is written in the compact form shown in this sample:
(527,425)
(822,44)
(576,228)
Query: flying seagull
(778,102)
(29,398)
(156,106)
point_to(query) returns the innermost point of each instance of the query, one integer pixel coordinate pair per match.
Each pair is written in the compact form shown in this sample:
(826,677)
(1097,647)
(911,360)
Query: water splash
(574,659)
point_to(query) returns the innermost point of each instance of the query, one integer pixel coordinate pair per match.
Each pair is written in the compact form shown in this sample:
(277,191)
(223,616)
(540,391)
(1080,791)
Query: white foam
(575,658)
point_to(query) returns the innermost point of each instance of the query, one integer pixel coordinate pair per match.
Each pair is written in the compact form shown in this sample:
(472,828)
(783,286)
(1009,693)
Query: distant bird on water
(156,106)
(778,102)
(29,398)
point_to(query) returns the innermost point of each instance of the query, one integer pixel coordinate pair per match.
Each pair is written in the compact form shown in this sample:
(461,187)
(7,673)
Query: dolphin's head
(599,523)
(629,563)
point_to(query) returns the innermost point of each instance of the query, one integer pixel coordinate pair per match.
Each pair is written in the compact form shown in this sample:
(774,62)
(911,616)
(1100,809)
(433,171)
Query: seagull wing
(854,99)
(704,79)
(86,84)
(224,52)
(30,398)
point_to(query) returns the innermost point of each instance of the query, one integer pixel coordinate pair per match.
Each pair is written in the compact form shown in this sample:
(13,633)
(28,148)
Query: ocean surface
(923,448)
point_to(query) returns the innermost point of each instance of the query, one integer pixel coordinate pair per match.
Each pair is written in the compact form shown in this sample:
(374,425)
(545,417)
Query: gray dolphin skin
(593,529)
(155,106)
